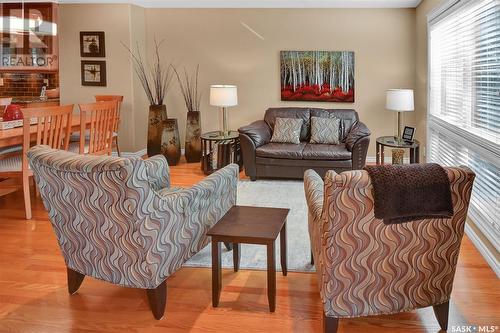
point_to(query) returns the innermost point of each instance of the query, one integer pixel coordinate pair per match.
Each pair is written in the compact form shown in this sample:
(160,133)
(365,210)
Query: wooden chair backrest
(107,98)
(53,128)
(101,119)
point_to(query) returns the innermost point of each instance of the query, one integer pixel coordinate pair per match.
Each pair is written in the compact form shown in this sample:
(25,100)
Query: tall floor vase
(157,116)
(192,144)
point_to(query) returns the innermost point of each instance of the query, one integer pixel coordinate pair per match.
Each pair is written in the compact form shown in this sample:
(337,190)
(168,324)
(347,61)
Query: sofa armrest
(258,131)
(357,132)
(359,152)
(158,172)
(253,136)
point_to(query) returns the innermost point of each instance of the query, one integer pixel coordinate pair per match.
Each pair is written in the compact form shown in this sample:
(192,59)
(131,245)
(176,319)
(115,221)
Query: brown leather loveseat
(262,158)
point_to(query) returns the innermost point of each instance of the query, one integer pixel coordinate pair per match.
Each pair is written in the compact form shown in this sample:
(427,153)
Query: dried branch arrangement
(189,88)
(155,77)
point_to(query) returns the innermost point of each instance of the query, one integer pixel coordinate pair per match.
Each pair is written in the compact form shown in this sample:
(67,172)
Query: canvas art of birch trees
(323,76)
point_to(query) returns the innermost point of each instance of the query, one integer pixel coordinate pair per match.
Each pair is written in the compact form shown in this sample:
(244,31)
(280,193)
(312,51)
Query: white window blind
(464,101)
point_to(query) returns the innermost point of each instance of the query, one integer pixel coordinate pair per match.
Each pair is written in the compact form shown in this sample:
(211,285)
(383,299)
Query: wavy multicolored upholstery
(115,221)
(365,267)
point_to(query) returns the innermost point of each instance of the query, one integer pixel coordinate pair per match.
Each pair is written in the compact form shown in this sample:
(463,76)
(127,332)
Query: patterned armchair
(116,219)
(365,267)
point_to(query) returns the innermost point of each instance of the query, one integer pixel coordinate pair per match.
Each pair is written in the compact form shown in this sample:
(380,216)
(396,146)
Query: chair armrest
(207,201)
(258,131)
(178,221)
(158,172)
(357,132)
(313,188)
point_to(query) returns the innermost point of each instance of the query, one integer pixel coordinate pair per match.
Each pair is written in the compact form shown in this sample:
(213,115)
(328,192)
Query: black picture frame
(408,133)
(92,44)
(93,73)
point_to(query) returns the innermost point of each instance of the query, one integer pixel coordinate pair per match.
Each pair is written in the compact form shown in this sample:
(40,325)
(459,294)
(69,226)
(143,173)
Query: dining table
(14,136)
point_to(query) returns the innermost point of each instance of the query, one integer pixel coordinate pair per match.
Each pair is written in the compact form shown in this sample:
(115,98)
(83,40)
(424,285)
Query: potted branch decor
(192,97)
(155,78)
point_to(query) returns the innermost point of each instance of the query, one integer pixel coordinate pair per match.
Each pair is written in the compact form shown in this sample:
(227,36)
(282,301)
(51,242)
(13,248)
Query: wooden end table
(250,225)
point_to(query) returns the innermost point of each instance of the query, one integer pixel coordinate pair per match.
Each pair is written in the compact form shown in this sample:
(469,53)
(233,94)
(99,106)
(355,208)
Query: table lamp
(399,100)
(223,96)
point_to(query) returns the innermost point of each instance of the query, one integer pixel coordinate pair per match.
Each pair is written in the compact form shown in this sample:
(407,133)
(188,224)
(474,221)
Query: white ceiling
(260,3)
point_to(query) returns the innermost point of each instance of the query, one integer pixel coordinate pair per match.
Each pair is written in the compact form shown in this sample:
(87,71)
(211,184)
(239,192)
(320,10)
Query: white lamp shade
(223,95)
(400,100)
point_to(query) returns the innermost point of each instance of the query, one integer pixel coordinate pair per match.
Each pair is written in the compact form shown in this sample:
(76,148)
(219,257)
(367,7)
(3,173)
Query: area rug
(269,193)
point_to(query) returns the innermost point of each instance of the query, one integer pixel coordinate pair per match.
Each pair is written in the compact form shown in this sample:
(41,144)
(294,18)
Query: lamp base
(225,131)
(399,138)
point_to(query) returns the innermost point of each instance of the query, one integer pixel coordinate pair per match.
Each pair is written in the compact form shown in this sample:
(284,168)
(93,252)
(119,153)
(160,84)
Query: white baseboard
(387,159)
(485,251)
(139,153)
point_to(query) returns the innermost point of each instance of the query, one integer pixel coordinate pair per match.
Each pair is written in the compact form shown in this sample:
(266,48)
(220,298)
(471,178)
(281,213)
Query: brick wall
(26,84)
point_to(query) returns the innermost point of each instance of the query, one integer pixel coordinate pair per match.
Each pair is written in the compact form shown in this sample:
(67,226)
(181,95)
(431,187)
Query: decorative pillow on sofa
(325,130)
(287,130)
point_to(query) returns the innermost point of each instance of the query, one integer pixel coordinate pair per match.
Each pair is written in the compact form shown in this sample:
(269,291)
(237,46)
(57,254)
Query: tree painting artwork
(322,76)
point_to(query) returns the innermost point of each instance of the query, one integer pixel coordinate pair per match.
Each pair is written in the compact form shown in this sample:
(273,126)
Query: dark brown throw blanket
(411,192)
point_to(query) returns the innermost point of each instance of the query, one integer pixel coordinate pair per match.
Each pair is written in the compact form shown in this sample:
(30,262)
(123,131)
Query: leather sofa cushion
(290,112)
(281,150)
(348,118)
(325,152)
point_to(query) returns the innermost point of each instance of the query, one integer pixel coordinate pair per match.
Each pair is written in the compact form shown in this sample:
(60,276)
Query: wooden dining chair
(52,128)
(119,99)
(98,120)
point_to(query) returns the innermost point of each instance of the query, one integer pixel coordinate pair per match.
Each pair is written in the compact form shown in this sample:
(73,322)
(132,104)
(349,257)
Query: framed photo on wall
(92,44)
(318,76)
(93,73)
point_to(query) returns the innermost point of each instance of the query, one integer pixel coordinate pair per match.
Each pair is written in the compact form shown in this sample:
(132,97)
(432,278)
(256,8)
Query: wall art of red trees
(322,76)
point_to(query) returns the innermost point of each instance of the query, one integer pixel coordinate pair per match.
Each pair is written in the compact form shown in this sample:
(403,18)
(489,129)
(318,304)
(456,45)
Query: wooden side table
(226,149)
(391,141)
(251,225)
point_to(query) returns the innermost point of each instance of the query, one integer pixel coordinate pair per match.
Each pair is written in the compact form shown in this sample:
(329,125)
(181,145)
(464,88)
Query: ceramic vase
(157,116)
(192,144)
(170,141)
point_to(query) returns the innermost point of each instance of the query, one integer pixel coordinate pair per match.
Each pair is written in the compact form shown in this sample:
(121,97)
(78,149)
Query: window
(464,101)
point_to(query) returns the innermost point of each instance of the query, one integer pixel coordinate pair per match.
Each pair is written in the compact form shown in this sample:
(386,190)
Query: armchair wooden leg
(330,324)
(75,279)
(157,300)
(441,311)
(117,146)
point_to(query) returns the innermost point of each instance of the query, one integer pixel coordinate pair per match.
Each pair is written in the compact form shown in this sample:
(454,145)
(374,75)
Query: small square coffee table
(250,225)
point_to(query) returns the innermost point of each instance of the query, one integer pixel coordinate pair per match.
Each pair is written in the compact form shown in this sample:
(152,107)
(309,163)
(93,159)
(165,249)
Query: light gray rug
(269,193)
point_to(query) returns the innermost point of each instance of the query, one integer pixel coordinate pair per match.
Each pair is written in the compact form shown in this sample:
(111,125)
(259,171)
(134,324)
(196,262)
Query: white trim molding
(139,153)
(491,258)
(255,3)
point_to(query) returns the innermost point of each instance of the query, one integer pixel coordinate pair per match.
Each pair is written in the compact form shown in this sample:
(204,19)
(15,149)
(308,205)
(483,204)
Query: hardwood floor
(34,295)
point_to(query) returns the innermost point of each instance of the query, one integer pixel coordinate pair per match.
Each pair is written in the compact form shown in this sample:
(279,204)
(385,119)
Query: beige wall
(421,68)
(114,20)
(382,39)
